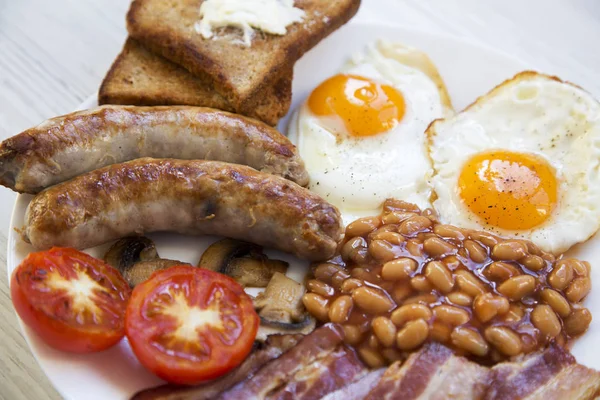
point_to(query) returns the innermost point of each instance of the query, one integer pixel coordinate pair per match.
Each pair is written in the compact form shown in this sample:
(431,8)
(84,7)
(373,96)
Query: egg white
(532,113)
(358,173)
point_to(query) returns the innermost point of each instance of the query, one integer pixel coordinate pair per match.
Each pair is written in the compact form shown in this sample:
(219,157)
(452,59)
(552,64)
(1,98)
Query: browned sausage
(191,197)
(64,147)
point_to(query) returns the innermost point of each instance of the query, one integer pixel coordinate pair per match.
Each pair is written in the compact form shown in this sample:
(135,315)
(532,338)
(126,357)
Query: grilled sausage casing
(184,196)
(64,147)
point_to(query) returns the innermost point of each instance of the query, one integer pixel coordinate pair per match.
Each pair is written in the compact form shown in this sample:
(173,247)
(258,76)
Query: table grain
(54,54)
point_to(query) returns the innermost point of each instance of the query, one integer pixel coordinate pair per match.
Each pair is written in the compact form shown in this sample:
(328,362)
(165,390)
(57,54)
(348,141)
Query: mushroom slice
(242,261)
(268,327)
(255,272)
(141,271)
(281,301)
(129,250)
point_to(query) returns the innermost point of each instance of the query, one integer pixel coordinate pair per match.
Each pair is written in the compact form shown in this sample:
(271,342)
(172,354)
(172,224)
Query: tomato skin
(181,370)
(58,331)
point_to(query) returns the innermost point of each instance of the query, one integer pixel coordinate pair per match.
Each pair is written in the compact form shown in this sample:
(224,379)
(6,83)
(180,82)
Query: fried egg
(522,161)
(361,132)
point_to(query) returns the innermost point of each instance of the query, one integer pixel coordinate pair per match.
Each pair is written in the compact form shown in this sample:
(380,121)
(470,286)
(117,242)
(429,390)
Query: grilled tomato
(73,301)
(188,324)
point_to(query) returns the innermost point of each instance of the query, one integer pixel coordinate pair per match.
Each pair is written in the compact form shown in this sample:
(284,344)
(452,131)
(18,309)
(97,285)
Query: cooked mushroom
(141,271)
(267,327)
(242,261)
(136,258)
(129,250)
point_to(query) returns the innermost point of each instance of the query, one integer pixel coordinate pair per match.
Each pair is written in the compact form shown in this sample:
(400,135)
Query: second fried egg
(522,161)
(361,132)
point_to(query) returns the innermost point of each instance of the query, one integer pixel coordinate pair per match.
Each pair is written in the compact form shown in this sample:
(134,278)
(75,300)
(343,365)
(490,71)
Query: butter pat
(270,16)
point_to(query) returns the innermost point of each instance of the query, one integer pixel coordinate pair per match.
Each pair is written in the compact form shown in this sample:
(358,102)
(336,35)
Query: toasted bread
(142,78)
(238,73)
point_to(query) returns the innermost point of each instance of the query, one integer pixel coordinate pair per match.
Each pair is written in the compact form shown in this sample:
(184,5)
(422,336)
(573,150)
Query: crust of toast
(142,78)
(238,73)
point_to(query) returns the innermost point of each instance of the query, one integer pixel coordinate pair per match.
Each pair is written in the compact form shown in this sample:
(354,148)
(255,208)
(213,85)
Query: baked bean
(509,250)
(452,262)
(545,320)
(517,287)
(578,321)
(395,217)
(469,340)
(415,248)
(350,284)
(414,225)
(578,289)
(504,339)
(427,298)
(391,355)
(320,288)
(362,274)
(399,269)
(412,335)
(340,309)
(352,334)
(440,332)
(373,343)
(515,313)
(559,304)
(362,226)
(476,251)
(449,231)
(372,300)
(436,247)
(486,238)
(371,357)
(355,250)
(451,315)
(487,306)
(579,267)
(317,306)
(401,292)
(534,263)
(385,330)
(338,279)
(460,299)
(410,312)
(382,230)
(421,284)
(390,237)
(561,276)
(382,251)
(439,276)
(399,205)
(324,272)
(499,271)
(469,283)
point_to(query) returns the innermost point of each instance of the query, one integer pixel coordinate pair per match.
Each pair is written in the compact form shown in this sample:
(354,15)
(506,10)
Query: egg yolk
(365,107)
(509,190)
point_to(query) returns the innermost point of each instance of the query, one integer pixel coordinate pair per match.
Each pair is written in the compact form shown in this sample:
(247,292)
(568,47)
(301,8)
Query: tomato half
(73,301)
(189,324)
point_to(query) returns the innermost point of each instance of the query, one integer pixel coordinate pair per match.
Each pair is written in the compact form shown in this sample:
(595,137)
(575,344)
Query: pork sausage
(184,196)
(64,147)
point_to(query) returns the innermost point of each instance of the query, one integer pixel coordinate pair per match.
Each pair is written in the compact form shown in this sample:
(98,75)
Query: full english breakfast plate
(356,169)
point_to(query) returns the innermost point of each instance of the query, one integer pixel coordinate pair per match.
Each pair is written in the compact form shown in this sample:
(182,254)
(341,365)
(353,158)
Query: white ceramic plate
(469,71)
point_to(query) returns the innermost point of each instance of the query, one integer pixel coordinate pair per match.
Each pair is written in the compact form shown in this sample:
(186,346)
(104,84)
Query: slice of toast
(141,78)
(238,72)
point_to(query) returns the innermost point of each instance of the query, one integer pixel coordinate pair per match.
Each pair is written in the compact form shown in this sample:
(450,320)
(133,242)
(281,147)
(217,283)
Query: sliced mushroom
(129,250)
(136,258)
(242,261)
(267,327)
(141,271)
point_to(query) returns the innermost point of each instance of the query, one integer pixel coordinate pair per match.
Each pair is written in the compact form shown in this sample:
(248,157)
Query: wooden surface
(53,55)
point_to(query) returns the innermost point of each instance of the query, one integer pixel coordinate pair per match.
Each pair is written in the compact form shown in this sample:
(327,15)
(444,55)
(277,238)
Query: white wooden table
(54,54)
